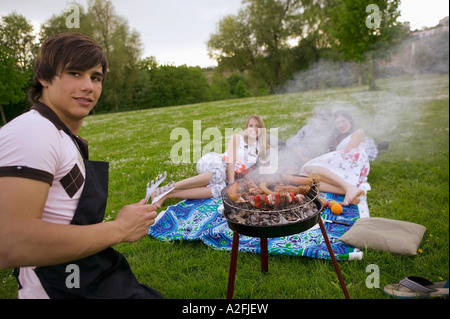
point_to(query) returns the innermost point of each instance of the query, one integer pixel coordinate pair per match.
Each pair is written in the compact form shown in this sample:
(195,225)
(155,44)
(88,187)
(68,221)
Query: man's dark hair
(64,51)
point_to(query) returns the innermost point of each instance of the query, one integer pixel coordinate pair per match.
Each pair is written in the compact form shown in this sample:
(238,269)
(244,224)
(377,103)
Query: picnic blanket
(203,220)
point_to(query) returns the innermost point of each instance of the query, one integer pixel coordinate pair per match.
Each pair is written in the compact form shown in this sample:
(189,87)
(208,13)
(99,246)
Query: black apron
(105,274)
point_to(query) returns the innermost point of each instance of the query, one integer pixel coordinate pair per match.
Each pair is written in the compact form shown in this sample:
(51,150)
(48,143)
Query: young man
(52,198)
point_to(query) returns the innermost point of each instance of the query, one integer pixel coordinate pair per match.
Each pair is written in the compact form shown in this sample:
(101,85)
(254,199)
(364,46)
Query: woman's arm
(27,240)
(358,137)
(233,145)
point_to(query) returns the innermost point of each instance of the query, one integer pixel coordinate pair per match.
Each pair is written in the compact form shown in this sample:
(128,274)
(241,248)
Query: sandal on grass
(417,287)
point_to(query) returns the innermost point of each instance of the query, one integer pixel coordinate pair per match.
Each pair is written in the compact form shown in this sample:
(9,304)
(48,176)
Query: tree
(170,85)
(122,46)
(241,89)
(273,23)
(17,35)
(12,81)
(58,24)
(257,38)
(17,51)
(362,31)
(232,45)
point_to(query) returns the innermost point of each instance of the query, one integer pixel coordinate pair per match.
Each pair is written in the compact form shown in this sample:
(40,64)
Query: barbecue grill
(286,220)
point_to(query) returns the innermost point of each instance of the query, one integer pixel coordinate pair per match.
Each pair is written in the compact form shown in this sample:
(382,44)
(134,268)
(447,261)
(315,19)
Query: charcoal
(247,214)
(256,217)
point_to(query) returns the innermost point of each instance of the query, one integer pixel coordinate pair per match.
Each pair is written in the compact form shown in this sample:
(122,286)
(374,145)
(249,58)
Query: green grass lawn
(410,182)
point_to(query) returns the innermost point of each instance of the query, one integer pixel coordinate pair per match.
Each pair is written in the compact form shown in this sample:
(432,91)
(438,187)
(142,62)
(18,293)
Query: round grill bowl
(273,230)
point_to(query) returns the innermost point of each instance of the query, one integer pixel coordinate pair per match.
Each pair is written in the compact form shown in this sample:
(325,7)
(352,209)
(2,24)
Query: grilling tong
(161,192)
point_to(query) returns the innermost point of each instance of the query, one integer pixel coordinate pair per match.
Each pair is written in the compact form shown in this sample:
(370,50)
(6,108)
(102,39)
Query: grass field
(410,182)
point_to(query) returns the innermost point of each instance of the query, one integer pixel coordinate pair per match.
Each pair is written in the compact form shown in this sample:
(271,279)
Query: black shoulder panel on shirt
(26,172)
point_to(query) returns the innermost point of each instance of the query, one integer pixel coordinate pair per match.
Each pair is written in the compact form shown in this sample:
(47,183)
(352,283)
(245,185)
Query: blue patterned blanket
(202,220)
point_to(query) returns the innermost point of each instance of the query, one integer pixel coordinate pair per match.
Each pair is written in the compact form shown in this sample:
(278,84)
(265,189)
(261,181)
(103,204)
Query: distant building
(440,28)
(419,46)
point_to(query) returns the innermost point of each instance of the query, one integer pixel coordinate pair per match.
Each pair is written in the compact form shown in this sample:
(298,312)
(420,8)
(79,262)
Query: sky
(176,31)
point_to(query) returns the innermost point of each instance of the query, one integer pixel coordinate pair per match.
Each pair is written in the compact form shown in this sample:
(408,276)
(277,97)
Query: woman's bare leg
(329,188)
(193,182)
(190,188)
(333,183)
(190,193)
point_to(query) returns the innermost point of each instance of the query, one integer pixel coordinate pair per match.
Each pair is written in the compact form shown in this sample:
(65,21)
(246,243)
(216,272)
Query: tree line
(258,50)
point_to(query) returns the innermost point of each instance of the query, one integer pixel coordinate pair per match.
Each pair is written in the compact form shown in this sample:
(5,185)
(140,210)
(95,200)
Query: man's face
(73,93)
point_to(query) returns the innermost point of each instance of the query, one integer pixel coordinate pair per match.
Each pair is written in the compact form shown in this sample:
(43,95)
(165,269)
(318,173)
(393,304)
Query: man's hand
(135,219)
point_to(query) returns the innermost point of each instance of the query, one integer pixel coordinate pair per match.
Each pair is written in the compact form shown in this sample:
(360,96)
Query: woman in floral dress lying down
(345,170)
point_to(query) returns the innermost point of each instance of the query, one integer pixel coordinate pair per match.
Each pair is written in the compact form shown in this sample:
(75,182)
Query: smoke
(391,113)
(323,75)
(401,78)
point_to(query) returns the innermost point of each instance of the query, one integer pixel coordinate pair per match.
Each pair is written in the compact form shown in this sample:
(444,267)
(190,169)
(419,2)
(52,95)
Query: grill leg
(233,262)
(264,255)
(333,258)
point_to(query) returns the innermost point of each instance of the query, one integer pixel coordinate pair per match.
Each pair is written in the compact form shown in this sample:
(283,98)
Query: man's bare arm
(26,240)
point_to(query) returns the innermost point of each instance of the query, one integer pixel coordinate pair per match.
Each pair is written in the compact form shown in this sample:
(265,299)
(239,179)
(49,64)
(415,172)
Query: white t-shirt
(31,146)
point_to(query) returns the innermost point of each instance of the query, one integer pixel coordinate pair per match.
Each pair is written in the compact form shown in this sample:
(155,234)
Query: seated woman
(313,139)
(345,170)
(216,170)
